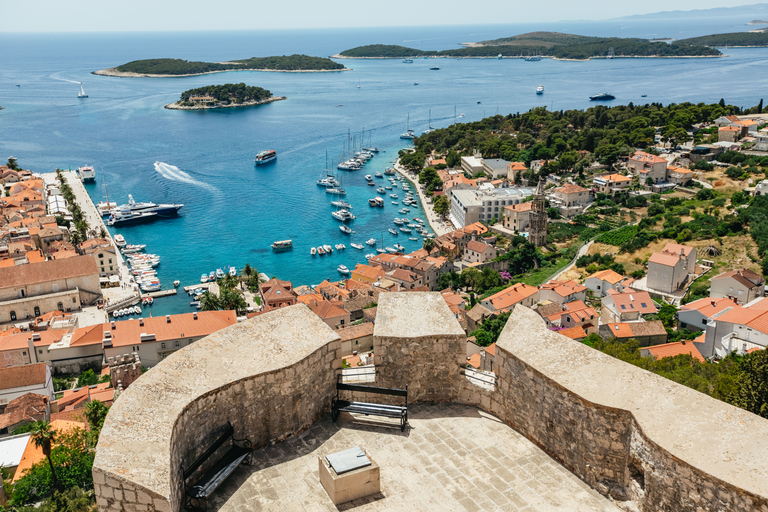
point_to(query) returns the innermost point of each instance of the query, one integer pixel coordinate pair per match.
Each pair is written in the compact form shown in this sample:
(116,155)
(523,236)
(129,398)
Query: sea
(233,210)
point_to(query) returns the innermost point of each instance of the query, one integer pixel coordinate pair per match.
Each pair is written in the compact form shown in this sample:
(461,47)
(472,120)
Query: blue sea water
(234,210)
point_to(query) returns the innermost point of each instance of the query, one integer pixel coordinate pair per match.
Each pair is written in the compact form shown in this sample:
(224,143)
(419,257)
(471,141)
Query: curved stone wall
(627,433)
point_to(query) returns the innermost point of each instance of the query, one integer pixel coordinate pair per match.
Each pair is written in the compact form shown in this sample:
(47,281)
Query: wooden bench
(207,484)
(390,411)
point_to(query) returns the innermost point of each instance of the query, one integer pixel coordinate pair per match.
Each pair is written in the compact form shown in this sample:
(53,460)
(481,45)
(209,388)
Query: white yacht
(86,173)
(343,215)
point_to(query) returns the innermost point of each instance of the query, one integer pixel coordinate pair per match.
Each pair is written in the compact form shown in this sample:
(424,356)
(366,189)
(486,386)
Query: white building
(741,285)
(668,270)
(470,206)
(738,329)
(472,164)
(20,380)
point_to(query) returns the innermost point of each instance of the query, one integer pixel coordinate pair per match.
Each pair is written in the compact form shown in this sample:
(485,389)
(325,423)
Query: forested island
(548,44)
(731,39)
(180,67)
(223,96)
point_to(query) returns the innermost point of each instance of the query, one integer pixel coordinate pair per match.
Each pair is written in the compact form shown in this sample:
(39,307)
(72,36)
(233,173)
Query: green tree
(231,300)
(668,315)
(44,436)
(441,206)
(95,414)
(87,378)
(429,244)
(210,302)
(753,394)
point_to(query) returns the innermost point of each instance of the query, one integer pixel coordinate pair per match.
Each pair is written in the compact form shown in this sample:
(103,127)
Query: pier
(161,293)
(200,286)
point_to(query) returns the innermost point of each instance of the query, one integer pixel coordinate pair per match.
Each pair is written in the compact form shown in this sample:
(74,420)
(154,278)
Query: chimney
(141,322)
(113,325)
(167,319)
(713,303)
(194,315)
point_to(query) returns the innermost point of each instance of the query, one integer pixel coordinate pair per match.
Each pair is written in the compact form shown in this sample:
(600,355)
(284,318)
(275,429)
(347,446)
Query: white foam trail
(173,173)
(65,80)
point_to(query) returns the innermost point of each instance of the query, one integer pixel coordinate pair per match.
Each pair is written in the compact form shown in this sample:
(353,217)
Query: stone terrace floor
(452,458)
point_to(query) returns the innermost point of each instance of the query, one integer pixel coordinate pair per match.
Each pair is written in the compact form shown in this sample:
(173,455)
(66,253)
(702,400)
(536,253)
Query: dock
(200,286)
(161,293)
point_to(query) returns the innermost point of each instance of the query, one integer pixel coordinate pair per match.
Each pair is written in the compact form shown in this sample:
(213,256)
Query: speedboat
(388,187)
(320,250)
(378,174)
(394,202)
(369,177)
(371,184)
(369,256)
(540,89)
(131,248)
(312,251)
(212,276)
(399,221)
(343,269)
(204,278)
(119,240)
(219,274)
(345,229)
(405,230)
(328,248)
(380,250)
(393,196)
(399,247)
(392,231)
(380,190)
(413,238)
(371,241)
(232,271)
(357,246)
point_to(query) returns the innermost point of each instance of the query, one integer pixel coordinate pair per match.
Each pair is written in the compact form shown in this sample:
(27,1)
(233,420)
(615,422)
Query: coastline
(338,56)
(435,223)
(177,106)
(113,72)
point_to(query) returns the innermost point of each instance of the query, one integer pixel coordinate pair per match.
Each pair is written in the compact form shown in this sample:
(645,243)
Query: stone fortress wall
(629,434)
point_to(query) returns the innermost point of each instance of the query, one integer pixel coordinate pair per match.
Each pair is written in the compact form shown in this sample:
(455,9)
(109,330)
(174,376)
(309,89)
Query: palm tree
(95,413)
(210,302)
(43,436)
(248,270)
(231,299)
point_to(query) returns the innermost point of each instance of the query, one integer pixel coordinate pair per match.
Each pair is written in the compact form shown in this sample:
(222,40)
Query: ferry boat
(603,96)
(282,245)
(119,240)
(345,229)
(264,157)
(540,89)
(86,173)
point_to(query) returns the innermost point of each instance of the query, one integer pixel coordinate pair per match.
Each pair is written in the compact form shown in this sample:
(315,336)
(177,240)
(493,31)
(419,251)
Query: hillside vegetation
(732,39)
(228,93)
(551,44)
(184,67)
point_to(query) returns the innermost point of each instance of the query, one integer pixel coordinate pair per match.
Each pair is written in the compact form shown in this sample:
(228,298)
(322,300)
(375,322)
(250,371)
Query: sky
(164,15)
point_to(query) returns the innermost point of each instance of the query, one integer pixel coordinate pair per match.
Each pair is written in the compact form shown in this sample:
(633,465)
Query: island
(158,68)
(223,96)
(547,44)
(743,39)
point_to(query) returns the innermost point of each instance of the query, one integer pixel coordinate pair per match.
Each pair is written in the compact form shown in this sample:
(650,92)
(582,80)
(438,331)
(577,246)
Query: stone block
(352,485)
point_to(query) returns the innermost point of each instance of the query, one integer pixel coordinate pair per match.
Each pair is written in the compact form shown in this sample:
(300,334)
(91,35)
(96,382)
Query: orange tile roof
(452,297)
(474,361)
(608,276)
(128,332)
(676,349)
(32,454)
(677,249)
(668,260)
(728,129)
(516,166)
(522,207)
(474,245)
(564,288)
(708,306)
(636,301)
(48,270)
(642,156)
(20,376)
(570,188)
(575,333)
(310,297)
(512,295)
(369,272)
(327,309)
(491,349)
(352,332)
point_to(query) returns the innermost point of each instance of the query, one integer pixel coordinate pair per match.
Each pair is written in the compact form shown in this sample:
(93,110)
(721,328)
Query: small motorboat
(357,246)
(345,229)
(413,238)
(233,271)
(204,278)
(328,249)
(394,232)
(380,250)
(343,269)
(399,247)
(391,250)
(371,241)
(176,283)
(320,250)
(312,251)
(369,256)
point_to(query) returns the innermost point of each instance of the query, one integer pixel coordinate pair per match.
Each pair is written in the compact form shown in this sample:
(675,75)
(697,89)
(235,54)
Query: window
(342,322)
(60,306)
(37,311)
(176,343)
(21,294)
(110,261)
(74,300)
(13,316)
(623,306)
(643,304)
(39,351)
(24,353)
(110,268)
(162,345)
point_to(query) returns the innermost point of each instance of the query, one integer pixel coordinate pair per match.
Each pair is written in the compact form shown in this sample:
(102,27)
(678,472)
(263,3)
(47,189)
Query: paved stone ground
(452,458)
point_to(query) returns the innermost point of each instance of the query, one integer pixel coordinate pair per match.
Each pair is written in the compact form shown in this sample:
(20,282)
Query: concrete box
(349,486)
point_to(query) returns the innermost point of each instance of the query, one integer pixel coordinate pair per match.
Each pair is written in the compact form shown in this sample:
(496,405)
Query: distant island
(155,68)
(223,96)
(548,44)
(752,39)
(758,22)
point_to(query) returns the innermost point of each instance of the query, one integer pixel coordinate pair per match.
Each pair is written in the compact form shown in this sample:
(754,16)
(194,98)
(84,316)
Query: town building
(104,253)
(562,291)
(515,171)
(678,175)
(600,282)
(471,206)
(276,293)
(761,188)
(645,333)
(496,167)
(669,269)
(366,274)
(356,338)
(23,410)
(518,217)
(648,166)
(155,338)
(673,349)
(569,315)
(737,329)
(472,165)
(17,381)
(761,140)
(537,233)
(570,199)
(696,315)
(478,252)
(331,312)
(626,307)
(28,291)
(508,298)
(741,285)
(611,183)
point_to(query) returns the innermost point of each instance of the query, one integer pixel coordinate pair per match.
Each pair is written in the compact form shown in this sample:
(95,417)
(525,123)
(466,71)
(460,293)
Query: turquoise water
(234,210)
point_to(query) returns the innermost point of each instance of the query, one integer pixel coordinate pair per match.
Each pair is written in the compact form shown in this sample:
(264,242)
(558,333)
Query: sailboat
(81,94)
(408,132)
(430,129)
(105,207)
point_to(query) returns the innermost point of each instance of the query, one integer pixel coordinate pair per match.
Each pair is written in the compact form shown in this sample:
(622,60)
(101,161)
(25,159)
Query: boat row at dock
(219,273)
(135,213)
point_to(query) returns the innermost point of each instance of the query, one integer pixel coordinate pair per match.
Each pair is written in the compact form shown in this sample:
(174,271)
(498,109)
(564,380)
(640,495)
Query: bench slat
(218,473)
(371,409)
(371,389)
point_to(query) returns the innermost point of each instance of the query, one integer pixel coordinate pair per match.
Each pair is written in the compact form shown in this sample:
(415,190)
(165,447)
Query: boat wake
(173,173)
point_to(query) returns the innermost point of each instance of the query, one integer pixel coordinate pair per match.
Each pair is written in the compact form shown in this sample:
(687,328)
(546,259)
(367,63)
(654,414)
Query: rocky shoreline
(179,106)
(126,74)
(338,56)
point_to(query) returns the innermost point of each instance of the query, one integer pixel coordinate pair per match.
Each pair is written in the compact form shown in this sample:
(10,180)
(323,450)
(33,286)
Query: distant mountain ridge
(751,12)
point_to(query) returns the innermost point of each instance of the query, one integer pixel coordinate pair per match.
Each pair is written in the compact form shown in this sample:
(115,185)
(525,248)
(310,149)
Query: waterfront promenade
(127,291)
(438,225)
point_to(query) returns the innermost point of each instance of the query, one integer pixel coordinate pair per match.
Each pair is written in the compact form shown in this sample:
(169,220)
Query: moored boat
(345,229)
(320,250)
(282,245)
(357,246)
(86,173)
(603,96)
(540,89)
(119,240)
(343,269)
(394,232)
